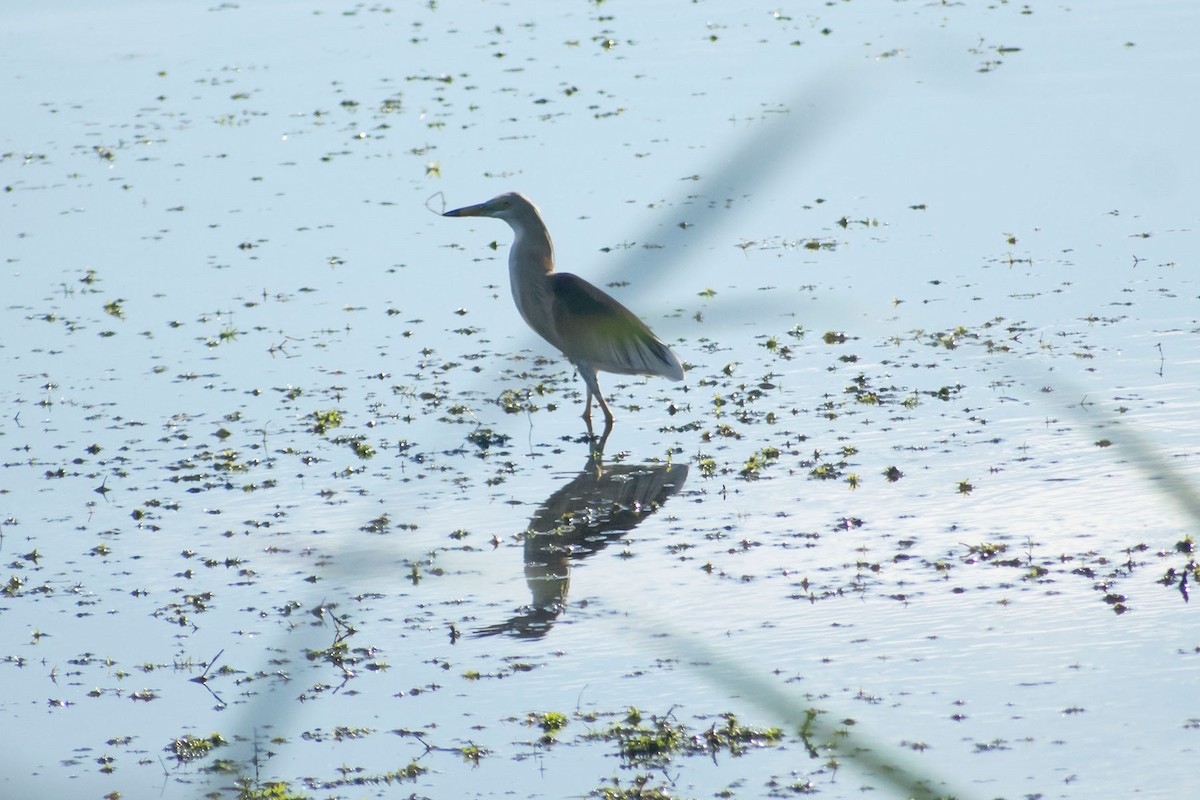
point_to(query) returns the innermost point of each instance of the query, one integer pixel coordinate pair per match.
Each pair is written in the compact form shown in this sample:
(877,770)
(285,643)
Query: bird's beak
(468,211)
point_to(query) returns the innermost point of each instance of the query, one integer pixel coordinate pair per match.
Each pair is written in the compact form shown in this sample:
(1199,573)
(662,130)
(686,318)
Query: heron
(593,330)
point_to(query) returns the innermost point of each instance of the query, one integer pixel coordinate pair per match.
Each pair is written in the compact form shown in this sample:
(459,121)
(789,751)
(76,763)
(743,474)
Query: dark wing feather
(595,329)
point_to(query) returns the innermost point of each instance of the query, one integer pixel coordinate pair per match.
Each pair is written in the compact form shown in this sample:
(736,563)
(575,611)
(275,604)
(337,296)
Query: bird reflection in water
(597,507)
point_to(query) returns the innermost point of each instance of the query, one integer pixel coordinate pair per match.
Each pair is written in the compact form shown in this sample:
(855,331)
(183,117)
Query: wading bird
(594,331)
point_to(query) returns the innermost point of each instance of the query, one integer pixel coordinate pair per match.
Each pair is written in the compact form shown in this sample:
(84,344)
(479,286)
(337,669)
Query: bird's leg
(593,390)
(596,451)
(608,417)
(587,408)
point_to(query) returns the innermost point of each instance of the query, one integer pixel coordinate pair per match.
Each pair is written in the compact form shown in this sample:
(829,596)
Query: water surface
(932,472)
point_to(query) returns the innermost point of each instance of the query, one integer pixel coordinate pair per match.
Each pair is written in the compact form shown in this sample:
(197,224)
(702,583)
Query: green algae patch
(657,740)
(190,748)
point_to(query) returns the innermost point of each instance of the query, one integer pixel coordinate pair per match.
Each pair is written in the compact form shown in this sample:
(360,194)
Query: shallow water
(217,225)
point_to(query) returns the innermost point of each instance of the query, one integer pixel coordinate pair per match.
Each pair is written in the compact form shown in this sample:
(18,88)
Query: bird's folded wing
(593,328)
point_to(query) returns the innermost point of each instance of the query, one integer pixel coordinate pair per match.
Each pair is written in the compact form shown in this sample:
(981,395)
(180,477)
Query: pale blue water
(252,189)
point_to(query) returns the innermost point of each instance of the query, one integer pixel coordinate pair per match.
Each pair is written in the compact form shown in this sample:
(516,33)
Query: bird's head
(506,206)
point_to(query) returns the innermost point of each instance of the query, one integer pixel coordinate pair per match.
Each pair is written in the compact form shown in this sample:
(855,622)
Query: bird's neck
(530,261)
(532,251)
